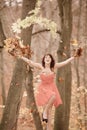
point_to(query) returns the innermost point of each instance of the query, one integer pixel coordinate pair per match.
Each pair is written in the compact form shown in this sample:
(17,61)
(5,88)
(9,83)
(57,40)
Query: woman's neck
(47,66)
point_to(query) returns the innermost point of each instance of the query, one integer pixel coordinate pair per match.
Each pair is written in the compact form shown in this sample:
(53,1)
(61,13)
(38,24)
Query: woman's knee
(54,97)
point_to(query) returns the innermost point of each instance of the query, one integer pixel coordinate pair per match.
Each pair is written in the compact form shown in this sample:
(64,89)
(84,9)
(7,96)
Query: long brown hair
(52,61)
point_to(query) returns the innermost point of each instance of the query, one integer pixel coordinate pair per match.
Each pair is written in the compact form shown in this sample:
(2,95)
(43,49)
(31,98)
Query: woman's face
(47,59)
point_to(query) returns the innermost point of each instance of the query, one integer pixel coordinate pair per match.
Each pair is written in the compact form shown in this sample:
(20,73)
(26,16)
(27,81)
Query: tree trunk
(3,93)
(10,114)
(85,62)
(11,111)
(64,85)
(26,36)
(2,37)
(76,63)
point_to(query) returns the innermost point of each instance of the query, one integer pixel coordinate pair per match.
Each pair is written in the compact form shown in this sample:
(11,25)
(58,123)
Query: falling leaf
(25,94)
(16,26)
(85,90)
(61,41)
(2,106)
(74,42)
(60,79)
(64,54)
(65,48)
(17,84)
(31,110)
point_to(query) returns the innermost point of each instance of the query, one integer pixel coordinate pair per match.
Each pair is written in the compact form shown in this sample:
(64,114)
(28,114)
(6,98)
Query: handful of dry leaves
(16,48)
(78,52)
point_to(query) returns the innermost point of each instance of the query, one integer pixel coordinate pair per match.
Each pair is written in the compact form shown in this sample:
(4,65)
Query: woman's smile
(47,59)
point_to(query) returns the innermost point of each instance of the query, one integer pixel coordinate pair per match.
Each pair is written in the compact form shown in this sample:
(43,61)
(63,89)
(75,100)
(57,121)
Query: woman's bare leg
(47,111)
(49,127)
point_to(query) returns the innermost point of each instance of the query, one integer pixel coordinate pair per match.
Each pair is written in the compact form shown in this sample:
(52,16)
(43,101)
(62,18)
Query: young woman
(47,94)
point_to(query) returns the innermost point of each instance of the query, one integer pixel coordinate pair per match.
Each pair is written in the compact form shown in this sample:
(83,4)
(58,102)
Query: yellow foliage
(35,18)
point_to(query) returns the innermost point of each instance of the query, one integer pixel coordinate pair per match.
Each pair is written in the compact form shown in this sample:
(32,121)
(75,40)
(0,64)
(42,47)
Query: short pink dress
(46,89)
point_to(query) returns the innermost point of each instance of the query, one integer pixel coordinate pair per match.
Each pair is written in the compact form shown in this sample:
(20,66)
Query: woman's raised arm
(58,65)
(31,63)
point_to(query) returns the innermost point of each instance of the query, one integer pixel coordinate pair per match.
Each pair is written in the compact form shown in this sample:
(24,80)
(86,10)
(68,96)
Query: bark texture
(11,111)
(2,37)
(64,74)
(26,36)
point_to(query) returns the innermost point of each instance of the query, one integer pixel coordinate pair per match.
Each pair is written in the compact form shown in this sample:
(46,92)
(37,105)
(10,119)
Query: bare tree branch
(44,30)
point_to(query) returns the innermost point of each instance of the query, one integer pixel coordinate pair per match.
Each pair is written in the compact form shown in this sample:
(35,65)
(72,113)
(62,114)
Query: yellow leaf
(60,79)
(74,42)
(64,54)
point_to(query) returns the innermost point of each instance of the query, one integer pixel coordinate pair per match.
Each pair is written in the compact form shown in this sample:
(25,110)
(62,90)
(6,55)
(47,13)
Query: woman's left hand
(78,52)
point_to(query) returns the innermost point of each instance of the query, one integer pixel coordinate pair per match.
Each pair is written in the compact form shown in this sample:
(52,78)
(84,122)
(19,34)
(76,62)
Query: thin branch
(44,30)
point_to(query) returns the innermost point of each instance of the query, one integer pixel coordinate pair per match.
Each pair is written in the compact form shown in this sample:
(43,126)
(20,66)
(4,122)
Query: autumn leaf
(65,48)
(64,54)
(2,106)
(74,42)
(15,47)
(31,110)
(60,79)
(35,19)
(17,84)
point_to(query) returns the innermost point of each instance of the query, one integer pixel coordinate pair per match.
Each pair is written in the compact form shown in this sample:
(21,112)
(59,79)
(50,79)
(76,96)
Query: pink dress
(46,89)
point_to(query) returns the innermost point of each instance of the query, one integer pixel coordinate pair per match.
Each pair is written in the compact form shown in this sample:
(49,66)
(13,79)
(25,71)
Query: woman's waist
(47,82)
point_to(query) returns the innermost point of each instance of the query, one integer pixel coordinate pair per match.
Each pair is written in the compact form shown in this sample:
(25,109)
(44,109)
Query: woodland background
(71,19)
